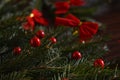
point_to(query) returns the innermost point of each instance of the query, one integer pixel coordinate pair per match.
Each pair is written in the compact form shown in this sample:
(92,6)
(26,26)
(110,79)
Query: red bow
(72,17)
(35,16)
(65,22)
(63,7)
(86,29)
(69,20)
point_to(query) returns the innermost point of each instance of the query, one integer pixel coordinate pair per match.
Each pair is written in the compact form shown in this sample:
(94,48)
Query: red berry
(53,40)
(99,63)
(40,34)
(17,50)
(35,42)
(76,55)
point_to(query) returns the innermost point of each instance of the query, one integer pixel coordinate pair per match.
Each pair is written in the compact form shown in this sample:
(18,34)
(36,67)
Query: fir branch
(52,60)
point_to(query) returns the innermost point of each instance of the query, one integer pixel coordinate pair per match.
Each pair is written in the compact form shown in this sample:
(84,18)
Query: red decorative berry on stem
(17,50)
(40,34)
(53,40)
(76,55)
(35,42)
(99,63)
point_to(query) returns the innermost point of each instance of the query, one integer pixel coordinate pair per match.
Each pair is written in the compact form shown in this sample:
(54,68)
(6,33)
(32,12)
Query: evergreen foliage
(49,61)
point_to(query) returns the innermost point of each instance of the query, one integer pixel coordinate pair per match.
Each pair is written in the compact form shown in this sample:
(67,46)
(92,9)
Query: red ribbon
(86,29)
(35,16)
(36,13)
(63,7)
(72,17)
(65,22)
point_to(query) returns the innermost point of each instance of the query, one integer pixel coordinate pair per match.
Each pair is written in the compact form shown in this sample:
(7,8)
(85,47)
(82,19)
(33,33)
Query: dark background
(110,16)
